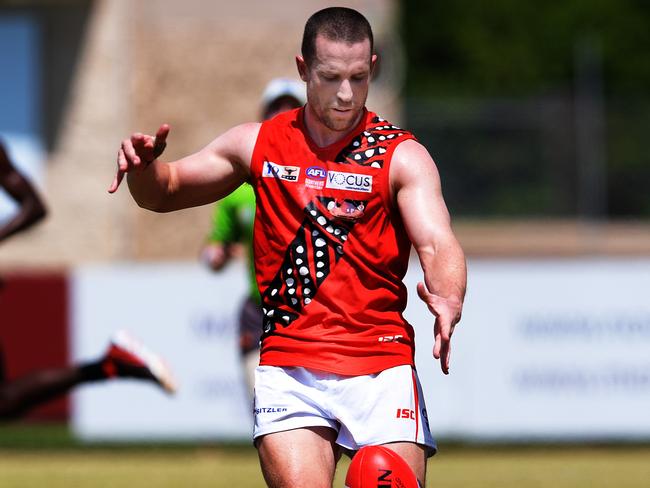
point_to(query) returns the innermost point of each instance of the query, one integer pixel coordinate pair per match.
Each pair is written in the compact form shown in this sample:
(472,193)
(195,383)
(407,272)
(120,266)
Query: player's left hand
(447,312)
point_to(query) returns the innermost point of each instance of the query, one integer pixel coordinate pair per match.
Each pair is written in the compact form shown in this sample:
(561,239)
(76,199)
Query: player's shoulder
(410,161)
(245,131)
(411,153)
(237,142)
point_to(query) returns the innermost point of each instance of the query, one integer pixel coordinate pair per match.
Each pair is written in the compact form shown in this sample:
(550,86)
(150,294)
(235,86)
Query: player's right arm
(415,183)
(31,207)
(197,179)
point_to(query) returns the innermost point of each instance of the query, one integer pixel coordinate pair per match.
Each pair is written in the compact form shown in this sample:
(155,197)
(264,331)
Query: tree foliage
(518,47)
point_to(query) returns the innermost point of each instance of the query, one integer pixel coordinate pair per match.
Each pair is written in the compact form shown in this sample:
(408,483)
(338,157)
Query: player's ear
(303,70)
(373,64)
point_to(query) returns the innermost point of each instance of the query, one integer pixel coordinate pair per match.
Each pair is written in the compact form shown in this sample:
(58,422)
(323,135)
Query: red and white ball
(379,467)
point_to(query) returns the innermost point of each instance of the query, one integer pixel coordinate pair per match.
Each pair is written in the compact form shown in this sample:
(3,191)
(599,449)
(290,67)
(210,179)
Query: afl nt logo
(316,172)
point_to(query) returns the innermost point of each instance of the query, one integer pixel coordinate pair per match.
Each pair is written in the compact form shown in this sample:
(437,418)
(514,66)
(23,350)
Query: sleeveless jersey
(330,249)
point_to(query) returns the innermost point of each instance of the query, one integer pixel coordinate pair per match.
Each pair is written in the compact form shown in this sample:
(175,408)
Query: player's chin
(342,121)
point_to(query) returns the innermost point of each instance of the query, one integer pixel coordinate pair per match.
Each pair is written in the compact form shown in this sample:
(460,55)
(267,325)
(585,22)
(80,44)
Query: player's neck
(322,135)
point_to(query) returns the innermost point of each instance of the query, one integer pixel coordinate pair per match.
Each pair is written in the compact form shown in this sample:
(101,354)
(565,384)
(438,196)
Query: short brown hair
(336,24)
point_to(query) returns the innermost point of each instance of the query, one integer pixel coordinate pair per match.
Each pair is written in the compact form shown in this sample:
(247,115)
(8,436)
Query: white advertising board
(186,314)
(547,350)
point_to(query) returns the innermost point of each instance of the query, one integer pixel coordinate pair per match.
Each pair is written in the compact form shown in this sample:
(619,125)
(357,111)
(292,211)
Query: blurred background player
(232,230)
(280,95)
(125,357)
(30,206)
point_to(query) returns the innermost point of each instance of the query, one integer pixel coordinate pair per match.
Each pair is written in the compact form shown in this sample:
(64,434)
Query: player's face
(337,82)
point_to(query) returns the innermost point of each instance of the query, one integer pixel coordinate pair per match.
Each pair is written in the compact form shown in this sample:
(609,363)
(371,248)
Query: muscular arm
(203,177)
(31,208)
(415,184)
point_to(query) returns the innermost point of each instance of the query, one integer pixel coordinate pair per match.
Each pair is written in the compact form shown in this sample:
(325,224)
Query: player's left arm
(416,188)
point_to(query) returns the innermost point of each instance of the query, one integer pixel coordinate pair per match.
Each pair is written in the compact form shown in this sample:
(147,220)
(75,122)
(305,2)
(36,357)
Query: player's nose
(344,93)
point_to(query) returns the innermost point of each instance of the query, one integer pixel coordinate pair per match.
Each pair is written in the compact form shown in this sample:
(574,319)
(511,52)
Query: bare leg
(414,455)
(299,458)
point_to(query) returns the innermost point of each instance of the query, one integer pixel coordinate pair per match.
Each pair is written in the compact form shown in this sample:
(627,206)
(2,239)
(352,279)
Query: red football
(379,467)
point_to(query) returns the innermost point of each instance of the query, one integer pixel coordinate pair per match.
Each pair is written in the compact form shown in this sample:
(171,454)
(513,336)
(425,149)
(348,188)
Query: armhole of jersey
(256,163)
(385,191)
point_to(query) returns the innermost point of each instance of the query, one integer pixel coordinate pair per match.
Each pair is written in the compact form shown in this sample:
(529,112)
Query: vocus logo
(339,180)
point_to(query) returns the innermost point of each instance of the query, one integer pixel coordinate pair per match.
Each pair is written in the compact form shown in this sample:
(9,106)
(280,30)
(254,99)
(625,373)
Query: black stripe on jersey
(368,148)
(319,242)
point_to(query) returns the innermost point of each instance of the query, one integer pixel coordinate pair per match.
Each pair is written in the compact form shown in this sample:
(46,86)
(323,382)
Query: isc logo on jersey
(286,173)
(338,180)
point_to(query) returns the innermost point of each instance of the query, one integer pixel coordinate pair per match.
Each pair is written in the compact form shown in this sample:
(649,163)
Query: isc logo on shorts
(405,413)
(286,173)
(338,180)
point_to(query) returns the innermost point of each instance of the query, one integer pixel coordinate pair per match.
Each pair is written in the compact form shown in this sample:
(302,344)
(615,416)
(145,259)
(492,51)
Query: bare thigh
(299,457)
(414,455)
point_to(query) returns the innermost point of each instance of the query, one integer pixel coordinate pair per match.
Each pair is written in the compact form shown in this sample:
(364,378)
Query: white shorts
(365,410)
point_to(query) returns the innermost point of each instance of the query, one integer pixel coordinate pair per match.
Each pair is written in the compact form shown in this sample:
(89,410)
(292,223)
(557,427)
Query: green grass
(558,467)
(38,457)
(146,468)
(223,467)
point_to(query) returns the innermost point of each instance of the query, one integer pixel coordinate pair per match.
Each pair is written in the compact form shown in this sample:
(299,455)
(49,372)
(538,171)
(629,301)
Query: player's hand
(447,312)
(138,152)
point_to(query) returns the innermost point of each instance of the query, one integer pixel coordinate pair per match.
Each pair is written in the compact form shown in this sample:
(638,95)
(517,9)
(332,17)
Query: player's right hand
(138,152)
